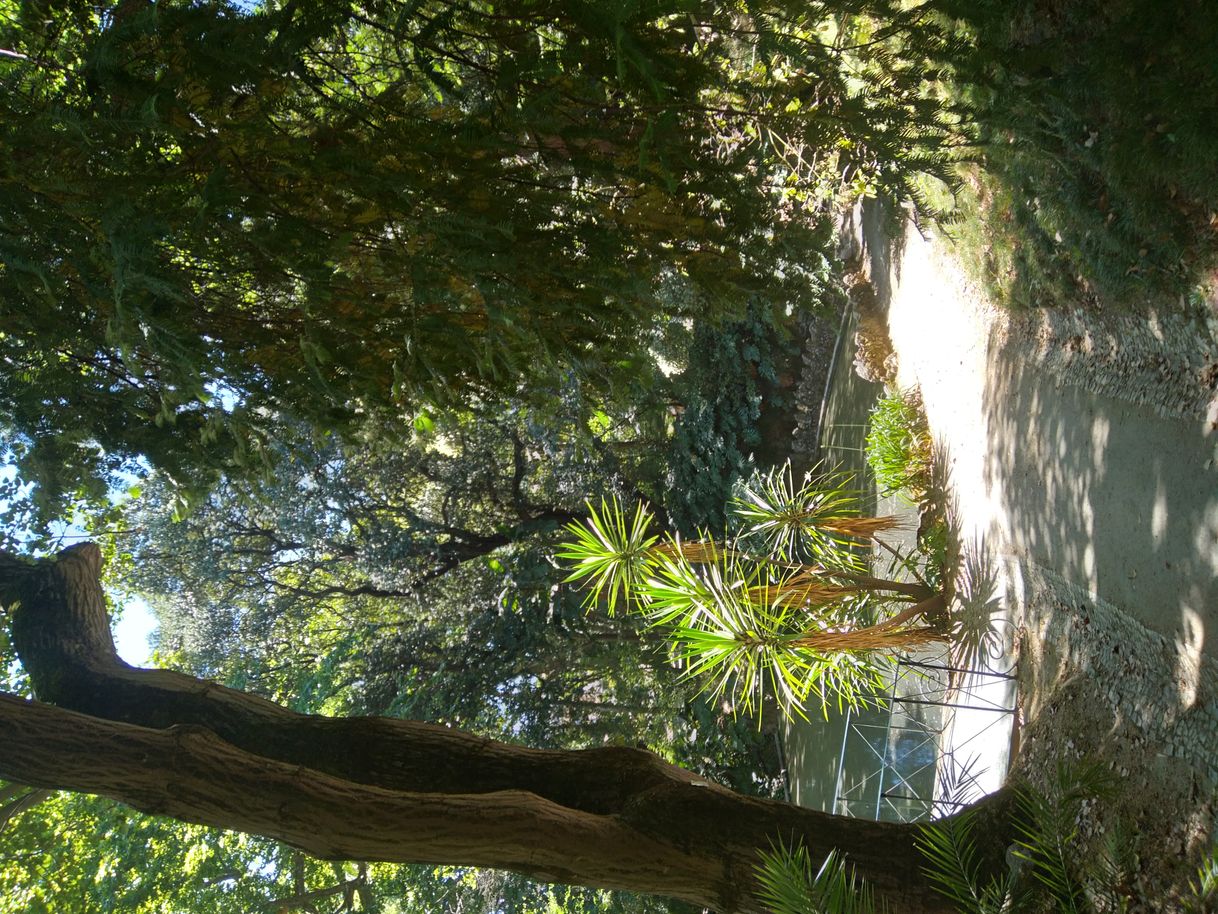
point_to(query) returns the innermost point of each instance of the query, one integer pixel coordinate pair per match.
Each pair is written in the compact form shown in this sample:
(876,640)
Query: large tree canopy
(394,790)
(213,216)
(225,230)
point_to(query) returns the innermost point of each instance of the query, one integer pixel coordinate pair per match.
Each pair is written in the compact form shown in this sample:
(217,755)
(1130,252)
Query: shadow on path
(1101,518)
(1111,497)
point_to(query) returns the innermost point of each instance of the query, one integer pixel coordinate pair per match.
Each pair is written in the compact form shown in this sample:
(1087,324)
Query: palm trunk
(910,589)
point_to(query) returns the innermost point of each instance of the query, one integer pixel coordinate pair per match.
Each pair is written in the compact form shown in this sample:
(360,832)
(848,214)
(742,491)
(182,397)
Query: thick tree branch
(386,789)
(189,773)
(29,800)
(304,898)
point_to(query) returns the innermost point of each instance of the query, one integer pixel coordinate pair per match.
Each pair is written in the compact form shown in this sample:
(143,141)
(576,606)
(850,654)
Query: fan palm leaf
(789,883)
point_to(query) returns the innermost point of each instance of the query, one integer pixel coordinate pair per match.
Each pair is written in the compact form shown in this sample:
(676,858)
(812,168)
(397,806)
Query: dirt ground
(1078,456)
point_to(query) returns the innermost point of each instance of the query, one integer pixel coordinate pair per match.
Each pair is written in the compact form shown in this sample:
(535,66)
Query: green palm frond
(678,587)
(611,552)
(732,624)
(953,866)
(721,634)
(1204,890)
(1055,873)
(845,679)
(818,521)
(1111,871)
(790,884)
(745,623)
(1046,832)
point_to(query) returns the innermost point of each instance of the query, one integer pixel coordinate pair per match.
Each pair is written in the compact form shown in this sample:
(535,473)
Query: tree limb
(395,790)
(21,804)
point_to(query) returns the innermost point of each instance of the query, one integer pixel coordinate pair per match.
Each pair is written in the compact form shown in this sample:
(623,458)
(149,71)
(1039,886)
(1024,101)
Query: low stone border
(1098,685)
(1165,362)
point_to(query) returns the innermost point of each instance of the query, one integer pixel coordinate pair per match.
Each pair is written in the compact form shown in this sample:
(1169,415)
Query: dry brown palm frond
(804,593)
(851,582)
(871,639)
(891,634)
(860,528)
(696,552)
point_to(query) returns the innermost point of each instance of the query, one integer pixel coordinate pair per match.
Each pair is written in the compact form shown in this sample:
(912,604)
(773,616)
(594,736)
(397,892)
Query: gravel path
(1080,456)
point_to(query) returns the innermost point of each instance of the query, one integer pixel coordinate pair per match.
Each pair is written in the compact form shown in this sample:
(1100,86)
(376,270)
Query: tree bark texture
(386,789)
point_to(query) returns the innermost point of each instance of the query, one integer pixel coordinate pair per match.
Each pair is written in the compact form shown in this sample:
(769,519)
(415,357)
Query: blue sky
(136,624)
(131,632)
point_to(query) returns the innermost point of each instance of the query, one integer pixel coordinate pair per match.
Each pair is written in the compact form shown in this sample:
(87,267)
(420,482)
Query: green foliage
(954,866)
(74,854)
(799,522)
(898,445)
(1047,833)
(1095,130)
(731,370)
(1055,869)
(747,617)
(934,552)
(730,626)
(417,582)
(1204,890)
(215,218)
(611,552)
(1058,878)
(791,884)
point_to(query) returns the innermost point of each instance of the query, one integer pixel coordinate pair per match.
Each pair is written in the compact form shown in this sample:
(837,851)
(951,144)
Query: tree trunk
(392,790)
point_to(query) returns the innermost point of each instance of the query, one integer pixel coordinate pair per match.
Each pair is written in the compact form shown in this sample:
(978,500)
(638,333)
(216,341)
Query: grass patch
(1097,159)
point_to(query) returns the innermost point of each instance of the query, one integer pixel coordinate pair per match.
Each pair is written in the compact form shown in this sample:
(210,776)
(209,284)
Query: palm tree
(786,603)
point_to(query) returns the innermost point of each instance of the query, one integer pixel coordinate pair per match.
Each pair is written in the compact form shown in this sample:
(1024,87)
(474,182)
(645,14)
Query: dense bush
(1096,138)
(731,371)
(898,445)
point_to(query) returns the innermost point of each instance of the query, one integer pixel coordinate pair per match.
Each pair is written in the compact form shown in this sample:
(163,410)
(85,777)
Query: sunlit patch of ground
(1096,505)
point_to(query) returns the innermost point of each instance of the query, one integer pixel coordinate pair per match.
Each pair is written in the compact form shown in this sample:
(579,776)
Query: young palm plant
(1050,872)
(791,884)
(784,607)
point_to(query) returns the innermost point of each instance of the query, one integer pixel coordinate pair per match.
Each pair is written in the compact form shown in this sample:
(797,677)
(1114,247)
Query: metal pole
(952,704)
(841,762)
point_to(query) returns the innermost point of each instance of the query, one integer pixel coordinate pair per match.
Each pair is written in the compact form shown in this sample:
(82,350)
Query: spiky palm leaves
(811,522)
(1053,871)
(784,608)
(737,625)
(789,883)
(611,553)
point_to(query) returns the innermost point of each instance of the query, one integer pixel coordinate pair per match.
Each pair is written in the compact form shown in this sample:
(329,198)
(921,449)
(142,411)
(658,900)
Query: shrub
(731,369)
(898,445)
(785,607)
(1095,129)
